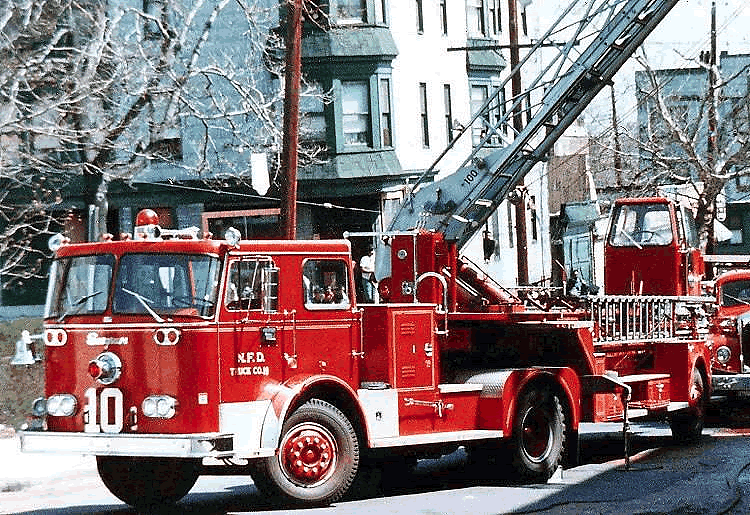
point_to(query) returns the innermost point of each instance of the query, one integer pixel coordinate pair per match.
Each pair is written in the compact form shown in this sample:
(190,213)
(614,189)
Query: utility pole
(617,158)
(712,89)
(288,189)
(712,99)
(515,84)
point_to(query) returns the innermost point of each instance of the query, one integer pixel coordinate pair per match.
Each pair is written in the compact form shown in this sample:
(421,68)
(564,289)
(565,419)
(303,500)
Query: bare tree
(691,131)
(697,136)
(96,91)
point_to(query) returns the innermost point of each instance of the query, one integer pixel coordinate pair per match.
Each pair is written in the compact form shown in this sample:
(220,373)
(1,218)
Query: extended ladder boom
(460,203)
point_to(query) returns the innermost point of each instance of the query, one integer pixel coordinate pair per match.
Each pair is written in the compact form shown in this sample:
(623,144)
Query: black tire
(148,482)
(368,481)
(687,426)
(317,460)
(538,443)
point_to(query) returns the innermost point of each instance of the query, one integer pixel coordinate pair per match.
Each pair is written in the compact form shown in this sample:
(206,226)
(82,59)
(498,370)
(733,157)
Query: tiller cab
(170,356)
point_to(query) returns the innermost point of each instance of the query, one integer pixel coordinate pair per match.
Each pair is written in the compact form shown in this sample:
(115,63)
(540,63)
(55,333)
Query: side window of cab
(325,284)
(245,287)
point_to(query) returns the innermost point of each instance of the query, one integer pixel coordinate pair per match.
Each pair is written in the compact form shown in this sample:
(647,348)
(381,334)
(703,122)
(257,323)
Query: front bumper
(728,383)
(205,445)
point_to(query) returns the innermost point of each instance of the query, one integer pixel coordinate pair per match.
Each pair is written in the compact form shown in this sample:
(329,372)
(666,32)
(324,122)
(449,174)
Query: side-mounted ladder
(459,204)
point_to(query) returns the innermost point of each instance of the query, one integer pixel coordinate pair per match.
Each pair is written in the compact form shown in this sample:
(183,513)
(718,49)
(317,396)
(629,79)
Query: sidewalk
(709,477)
(19,470)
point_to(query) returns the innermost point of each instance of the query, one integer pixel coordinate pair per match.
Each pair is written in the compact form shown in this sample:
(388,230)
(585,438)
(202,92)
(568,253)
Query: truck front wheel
(317,459)
(148,482)
(538,442)
(687,426)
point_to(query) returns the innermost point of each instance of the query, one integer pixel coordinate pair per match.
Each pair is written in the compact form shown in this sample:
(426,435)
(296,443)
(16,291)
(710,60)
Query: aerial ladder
(460,203)
(661,335)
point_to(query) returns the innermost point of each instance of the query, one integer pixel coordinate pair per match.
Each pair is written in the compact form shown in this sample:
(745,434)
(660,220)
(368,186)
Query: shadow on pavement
(601,483)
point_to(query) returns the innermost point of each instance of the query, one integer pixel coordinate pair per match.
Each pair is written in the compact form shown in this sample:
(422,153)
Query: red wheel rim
(308,454)
(536,434)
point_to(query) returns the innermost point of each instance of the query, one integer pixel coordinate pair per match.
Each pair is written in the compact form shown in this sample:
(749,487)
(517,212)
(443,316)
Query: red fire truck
(653,249)
(162,351)
(729,333)
(169,356)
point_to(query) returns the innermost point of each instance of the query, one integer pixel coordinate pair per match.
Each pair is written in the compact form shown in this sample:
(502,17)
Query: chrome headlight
(723,354)
(159,406)
(62,405)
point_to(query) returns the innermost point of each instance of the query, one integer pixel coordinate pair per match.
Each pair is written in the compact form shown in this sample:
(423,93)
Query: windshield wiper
(628,236)
(732,297)
(145,303)
(76,305)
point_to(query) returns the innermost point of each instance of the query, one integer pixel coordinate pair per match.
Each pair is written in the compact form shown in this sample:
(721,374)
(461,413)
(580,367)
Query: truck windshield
(79,285)
(735,293)
(158,284)
(640,225)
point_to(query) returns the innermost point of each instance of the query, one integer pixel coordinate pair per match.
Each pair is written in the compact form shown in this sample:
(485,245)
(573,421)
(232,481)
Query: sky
(676,43)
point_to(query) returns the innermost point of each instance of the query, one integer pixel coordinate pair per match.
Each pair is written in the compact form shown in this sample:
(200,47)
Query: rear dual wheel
(538,442)
(537,446)
(687,426)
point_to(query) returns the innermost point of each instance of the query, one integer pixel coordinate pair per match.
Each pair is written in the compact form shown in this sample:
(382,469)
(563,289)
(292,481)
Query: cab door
(327,326)
(250,322)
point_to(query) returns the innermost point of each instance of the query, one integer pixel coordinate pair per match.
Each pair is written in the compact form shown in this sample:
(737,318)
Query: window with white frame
(386,128)
(511,226)
(381,11)
(424,114)
(444,17)
(420,17)
(477,23)
(479,95)
(351,11)
(356,112)
(448,112)
(488,121)
(495,24)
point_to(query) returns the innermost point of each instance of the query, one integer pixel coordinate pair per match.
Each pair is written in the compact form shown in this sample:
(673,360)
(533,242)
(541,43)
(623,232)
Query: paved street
(712,477)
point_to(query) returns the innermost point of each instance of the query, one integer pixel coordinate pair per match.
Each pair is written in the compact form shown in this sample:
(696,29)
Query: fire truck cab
(652,249)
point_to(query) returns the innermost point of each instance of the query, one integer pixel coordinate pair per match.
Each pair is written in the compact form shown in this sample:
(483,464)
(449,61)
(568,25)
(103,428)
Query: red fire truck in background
(169,356)
(730,333)
(653,249)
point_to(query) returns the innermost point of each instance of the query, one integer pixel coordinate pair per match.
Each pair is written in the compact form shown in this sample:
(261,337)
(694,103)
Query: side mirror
(24,354)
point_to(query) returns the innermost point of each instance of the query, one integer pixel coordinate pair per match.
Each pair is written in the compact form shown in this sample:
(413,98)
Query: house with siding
(394,80)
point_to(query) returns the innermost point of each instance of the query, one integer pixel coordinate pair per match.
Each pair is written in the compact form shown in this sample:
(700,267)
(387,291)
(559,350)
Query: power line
(325,205)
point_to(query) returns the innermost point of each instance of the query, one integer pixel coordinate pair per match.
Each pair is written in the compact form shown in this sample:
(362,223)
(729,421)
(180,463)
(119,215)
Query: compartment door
(414,340)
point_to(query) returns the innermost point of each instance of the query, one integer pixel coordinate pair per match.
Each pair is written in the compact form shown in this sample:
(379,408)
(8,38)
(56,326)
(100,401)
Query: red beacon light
(147,228)
(147,225)
(147,217)
(105,368)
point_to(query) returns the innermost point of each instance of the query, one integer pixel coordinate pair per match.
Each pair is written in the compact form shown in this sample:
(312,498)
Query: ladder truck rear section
(169,356)
(652,248)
